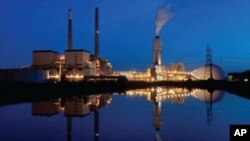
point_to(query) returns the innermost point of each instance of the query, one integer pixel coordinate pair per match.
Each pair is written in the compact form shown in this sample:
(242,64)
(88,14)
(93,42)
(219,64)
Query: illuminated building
(134,75)
(103,66)
(74,64)
(173,72)
(44,58)
(77,64)
(165,75)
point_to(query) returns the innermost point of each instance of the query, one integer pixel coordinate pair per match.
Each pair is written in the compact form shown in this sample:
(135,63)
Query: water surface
(149,114)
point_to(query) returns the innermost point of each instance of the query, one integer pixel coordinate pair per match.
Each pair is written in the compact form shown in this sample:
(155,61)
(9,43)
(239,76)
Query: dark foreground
(16,92)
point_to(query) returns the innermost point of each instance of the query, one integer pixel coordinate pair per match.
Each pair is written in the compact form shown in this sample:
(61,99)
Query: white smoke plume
(164,14)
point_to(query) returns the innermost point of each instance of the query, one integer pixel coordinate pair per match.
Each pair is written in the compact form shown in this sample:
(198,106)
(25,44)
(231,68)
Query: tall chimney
(70,41)
(157,47)
(96,33)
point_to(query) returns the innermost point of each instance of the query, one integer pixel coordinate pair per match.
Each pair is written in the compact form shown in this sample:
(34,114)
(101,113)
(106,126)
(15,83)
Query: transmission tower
(208,66)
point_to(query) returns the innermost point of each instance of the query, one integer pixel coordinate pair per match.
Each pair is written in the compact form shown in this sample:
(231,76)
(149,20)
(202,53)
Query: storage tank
(204,72)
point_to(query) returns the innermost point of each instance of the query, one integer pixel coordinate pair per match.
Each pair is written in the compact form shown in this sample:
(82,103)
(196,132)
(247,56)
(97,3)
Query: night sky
(127,29)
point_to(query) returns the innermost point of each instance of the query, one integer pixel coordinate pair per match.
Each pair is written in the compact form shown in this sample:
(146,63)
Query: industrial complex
(76,64)
(174,72)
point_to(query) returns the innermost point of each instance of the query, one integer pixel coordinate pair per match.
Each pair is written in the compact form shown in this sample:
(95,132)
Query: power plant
(174,72)
(76,64)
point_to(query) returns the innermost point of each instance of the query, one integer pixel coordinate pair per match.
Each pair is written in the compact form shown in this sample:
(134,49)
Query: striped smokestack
(70,40)
(96,32)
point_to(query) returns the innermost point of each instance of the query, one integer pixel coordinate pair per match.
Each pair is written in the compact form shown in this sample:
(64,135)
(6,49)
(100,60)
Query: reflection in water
(205,96)
(74,107)
(83,105)
(69,128)
(157,114)
(157,96)
(160,94)
(46,108)
(209,97)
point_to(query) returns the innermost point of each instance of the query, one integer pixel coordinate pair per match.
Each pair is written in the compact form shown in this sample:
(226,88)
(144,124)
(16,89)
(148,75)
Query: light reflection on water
(149,114)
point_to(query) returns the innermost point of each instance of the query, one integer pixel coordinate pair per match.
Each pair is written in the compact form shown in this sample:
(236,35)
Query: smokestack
(96,32)
(157,50)
(70,41)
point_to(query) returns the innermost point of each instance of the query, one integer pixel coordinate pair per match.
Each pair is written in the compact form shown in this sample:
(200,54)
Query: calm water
(148,115)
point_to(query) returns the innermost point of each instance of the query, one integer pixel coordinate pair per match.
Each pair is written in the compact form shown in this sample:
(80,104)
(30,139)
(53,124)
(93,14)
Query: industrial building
(174,72)
(158,72)
(74,64)
(44,58)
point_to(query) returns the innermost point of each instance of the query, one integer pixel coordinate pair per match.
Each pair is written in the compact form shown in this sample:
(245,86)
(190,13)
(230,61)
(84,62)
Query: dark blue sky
(127,29)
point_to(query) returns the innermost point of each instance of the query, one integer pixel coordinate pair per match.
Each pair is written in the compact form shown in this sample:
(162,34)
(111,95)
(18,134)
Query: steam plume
(163,16)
